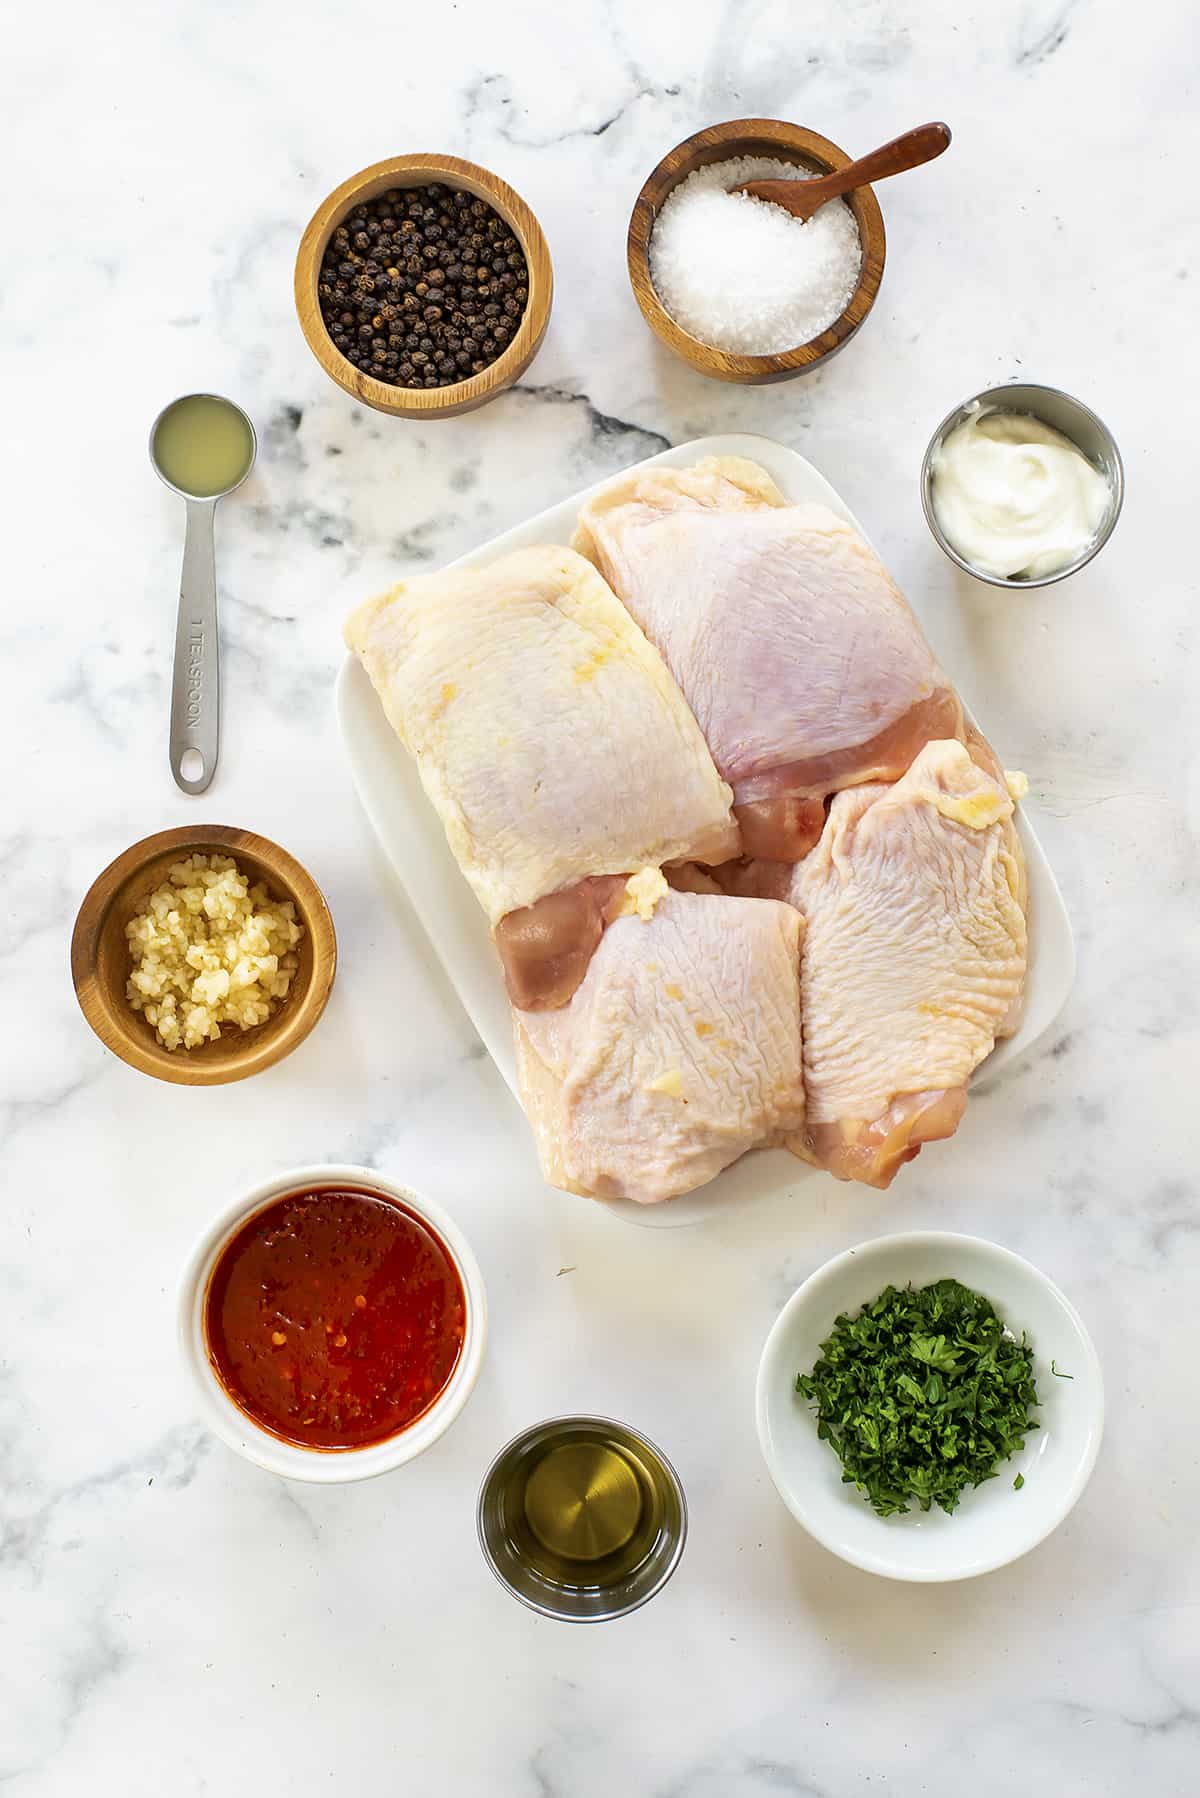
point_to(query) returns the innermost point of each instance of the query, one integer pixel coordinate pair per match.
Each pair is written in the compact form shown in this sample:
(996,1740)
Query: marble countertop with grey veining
(171,1619)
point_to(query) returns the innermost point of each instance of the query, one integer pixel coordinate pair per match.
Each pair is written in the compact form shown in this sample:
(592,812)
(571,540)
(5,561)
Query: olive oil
(582,1518)
(591,1511)
(202,445)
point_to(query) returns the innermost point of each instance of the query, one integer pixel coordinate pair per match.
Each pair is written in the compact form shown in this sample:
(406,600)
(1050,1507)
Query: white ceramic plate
(993,1524)
(412,838)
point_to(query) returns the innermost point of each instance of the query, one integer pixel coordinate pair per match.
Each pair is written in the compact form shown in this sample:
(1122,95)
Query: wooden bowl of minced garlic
(203,955)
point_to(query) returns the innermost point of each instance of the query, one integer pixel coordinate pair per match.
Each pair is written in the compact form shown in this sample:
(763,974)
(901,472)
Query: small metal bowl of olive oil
(582,1519)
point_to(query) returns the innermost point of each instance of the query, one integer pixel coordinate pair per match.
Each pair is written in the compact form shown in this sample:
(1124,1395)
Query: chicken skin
(800,658)
(553,743)
(914,959)
(680,1050)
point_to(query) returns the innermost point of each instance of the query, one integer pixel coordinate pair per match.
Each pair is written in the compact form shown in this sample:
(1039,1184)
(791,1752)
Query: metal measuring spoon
(202,447)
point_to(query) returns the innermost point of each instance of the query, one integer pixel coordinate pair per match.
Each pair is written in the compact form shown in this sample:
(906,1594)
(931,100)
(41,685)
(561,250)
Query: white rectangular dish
(411,836)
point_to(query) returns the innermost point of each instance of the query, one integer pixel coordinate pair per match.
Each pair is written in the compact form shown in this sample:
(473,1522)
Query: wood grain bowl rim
(415,171)
(752,137)
(236,1055)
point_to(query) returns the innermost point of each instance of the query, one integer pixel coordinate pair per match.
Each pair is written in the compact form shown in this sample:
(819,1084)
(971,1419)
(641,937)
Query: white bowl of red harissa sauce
(333,1323)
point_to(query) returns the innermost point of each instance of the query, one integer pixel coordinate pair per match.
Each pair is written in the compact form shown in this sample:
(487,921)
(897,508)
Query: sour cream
(1014,497)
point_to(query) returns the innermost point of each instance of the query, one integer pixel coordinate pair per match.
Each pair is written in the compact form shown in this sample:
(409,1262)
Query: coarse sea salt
(743,275)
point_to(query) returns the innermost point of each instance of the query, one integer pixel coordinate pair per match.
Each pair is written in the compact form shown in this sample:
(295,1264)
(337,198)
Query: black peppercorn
(433,257)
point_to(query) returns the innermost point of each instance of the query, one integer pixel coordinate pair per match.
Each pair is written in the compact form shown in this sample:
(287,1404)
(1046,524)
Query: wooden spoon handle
(908,151)
(805,197)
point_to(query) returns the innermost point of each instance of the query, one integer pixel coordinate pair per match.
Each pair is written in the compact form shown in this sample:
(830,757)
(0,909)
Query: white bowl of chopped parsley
(930,1406)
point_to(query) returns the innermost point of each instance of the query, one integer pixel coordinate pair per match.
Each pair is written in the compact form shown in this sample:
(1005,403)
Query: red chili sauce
(334,1318)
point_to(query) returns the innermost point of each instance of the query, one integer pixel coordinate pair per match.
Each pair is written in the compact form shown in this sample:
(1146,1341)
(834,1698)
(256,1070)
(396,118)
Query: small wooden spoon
(803,198)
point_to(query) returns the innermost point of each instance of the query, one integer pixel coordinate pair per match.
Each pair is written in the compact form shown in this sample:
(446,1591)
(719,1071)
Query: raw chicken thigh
(753,877)
(794,648)
(680,1050)
(644,495)
(552,742)
(914,959)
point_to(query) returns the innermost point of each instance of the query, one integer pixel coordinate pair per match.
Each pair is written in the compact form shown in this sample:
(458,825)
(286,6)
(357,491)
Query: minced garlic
(643,891)
(209,949)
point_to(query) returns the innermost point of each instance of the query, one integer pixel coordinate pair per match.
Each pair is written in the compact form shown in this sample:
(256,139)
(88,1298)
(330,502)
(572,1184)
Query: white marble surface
(172,1620)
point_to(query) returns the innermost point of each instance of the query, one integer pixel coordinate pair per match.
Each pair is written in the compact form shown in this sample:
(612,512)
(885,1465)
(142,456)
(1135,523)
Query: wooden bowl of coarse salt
(102,955)
(733,285)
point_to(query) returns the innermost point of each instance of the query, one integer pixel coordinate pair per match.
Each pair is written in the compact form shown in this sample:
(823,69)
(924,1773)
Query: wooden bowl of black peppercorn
(423,286)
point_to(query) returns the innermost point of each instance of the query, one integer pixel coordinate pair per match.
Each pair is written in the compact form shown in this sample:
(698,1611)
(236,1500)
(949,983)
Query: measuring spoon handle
(196,687)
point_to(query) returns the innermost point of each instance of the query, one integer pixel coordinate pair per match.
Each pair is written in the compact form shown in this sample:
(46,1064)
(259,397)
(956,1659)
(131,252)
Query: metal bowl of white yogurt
(1022,485)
